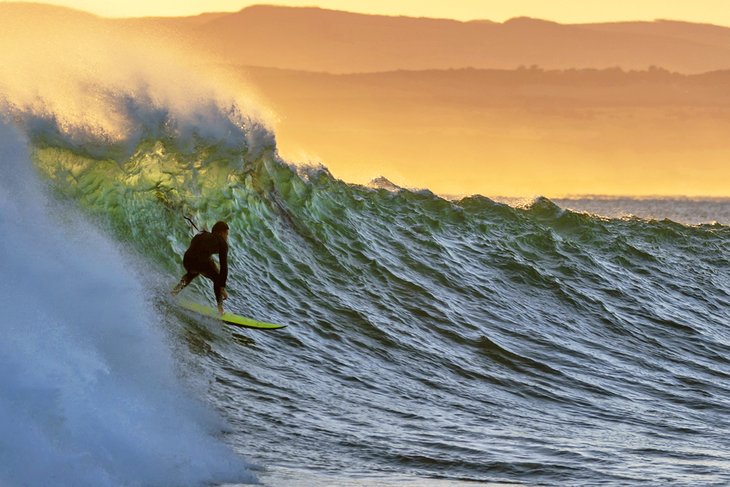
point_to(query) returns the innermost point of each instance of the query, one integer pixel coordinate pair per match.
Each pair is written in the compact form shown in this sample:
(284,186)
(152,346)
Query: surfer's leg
(212,272)
(186,279)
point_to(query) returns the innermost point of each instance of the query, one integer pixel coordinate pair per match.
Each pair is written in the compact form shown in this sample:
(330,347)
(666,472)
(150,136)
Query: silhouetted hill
(315,39)
(704,34)
(512,131)
(526,87)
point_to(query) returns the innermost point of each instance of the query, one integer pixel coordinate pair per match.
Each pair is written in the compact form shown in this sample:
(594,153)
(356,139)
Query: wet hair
(220,227)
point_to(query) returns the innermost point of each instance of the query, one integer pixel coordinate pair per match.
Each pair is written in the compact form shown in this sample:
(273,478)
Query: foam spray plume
(89,389)
(89,393)
(75,79)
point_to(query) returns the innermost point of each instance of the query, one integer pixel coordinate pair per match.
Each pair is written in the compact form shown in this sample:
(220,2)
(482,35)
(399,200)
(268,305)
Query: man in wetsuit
(198,259)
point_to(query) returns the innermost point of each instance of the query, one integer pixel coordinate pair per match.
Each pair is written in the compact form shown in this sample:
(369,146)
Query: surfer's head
(221,228)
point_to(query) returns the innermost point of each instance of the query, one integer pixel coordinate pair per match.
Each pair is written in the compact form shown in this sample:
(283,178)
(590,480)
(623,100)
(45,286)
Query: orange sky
(566,11)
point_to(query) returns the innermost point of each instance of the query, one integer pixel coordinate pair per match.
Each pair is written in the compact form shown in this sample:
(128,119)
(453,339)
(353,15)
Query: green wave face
(465,322)
(300,225)
(300,234)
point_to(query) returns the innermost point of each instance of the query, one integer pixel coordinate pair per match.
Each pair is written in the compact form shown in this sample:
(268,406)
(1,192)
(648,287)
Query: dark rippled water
(434,342)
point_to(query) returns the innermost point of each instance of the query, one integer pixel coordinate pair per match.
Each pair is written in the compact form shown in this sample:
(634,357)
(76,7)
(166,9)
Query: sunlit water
(437,342)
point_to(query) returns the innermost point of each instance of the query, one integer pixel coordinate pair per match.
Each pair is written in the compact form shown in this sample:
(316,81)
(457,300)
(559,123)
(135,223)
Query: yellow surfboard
(230,318)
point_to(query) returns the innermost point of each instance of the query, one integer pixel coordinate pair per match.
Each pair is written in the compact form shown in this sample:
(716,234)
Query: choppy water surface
(427,339)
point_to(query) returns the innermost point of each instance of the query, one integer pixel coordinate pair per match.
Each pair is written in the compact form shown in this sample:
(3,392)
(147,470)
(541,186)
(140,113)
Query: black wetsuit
(198,259)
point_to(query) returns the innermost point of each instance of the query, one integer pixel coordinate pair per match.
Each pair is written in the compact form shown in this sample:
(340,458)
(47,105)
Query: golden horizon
(562,11)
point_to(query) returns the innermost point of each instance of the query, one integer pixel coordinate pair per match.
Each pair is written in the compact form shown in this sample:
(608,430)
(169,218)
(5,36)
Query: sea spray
(89,394)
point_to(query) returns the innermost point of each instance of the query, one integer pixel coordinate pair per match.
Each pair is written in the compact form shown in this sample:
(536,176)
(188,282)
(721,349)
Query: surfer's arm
(223,258)
(220,284)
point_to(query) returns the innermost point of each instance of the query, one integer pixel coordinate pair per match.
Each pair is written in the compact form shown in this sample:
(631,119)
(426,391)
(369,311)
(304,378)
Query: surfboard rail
(229,318)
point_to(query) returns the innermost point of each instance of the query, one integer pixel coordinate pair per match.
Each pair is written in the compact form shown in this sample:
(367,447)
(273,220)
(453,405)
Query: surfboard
(230,318)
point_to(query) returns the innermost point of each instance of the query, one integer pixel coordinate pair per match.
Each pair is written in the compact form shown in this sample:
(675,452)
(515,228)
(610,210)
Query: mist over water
(90,395)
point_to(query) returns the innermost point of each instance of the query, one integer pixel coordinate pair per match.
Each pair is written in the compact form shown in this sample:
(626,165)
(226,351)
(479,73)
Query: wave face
(461,340)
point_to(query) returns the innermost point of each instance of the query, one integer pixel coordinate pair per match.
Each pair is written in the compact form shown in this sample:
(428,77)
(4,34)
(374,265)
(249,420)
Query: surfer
(198,259)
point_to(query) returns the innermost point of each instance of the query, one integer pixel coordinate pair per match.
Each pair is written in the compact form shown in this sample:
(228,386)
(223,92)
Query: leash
(192,223)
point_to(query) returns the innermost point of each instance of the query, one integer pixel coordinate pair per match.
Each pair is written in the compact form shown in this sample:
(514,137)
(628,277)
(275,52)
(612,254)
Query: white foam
(88,389)
(81,80)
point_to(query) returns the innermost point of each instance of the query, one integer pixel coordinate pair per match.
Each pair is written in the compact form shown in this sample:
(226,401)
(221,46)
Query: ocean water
(430,342)
(689,211)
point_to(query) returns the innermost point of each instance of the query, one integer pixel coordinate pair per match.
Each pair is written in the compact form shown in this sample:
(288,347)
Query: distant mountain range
(314,39)
(512,132)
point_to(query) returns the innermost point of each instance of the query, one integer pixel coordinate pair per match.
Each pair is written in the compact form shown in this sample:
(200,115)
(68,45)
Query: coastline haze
(565,11)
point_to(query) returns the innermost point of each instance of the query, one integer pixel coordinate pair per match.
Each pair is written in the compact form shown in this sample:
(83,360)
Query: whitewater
(429,342)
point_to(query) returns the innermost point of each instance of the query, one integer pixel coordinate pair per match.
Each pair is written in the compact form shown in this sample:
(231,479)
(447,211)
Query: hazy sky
(567,11)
